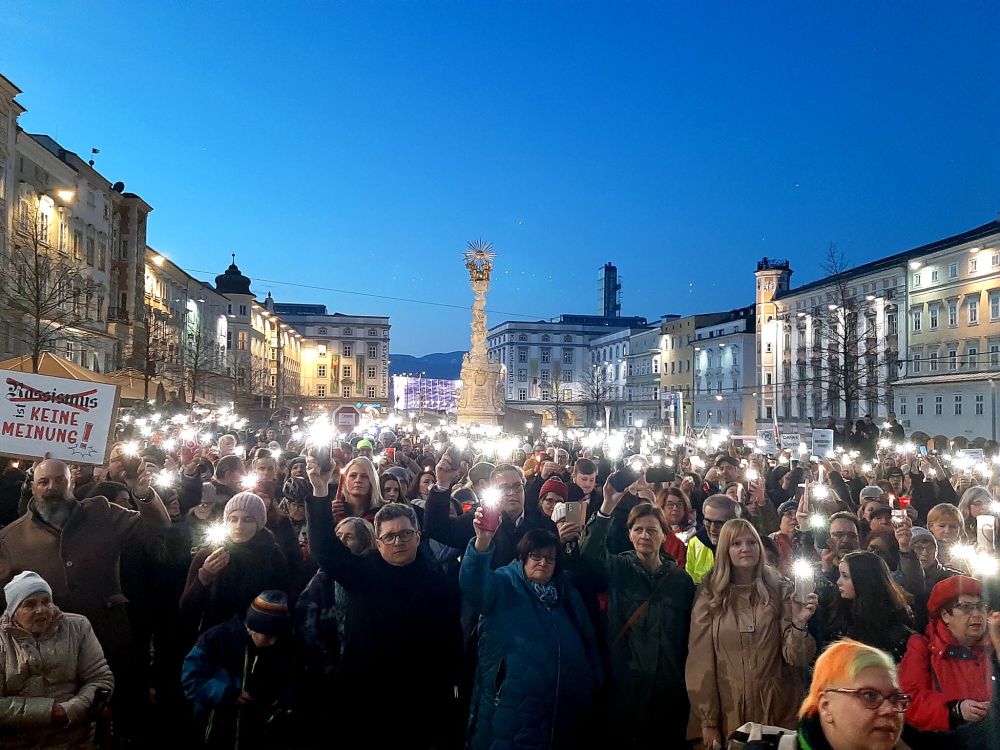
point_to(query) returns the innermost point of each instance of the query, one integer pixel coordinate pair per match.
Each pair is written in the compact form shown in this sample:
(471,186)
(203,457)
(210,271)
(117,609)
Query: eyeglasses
(539,557)
(873,699)
(404,536)
(968,608)
(844,534)
(509,489)
(715,524)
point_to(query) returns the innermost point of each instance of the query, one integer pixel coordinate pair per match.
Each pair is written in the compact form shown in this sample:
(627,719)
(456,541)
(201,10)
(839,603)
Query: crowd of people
(440,587)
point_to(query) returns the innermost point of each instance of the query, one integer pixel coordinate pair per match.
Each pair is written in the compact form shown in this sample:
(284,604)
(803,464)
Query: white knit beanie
(21,587)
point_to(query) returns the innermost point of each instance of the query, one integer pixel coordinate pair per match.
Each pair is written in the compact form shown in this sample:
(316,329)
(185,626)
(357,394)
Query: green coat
(647,664)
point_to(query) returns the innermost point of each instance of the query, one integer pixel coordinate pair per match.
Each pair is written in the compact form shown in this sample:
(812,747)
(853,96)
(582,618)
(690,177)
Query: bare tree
(43,291)
(249,378)
(154,348)
(201,361)
(596,389)
(850,358)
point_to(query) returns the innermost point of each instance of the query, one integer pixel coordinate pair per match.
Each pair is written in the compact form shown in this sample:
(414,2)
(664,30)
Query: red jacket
(937,671)
(676,548)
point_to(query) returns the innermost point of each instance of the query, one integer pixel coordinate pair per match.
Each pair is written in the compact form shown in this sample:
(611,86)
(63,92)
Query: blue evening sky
(359,145)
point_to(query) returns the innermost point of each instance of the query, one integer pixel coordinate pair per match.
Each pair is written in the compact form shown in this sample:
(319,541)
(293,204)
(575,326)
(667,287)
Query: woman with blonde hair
(945,522)
(748,636)
(854,701)
(358,494)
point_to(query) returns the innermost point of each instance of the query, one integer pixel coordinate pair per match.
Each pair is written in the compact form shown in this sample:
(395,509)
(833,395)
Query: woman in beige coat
(51,668)
(747,637)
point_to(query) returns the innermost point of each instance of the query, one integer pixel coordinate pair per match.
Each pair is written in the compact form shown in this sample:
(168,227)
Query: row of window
(971,359)
(346,372)
(957,403)
(522,337)
(545,394)
(973,265)
(322,331)
(346,392)
(544,376)
(347,350)
(971,314)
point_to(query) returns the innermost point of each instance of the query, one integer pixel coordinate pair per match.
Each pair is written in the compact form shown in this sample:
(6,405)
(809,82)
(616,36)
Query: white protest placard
(822,443)
(976,455)
(766,442)
(790,441)
(71,420)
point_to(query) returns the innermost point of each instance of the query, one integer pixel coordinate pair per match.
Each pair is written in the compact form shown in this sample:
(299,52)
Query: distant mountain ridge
(441,365)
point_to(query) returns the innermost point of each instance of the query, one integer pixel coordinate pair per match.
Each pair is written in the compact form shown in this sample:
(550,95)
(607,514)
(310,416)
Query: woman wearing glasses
(951,669)
(539,667)
(748,635)
(680,518)
(854,702)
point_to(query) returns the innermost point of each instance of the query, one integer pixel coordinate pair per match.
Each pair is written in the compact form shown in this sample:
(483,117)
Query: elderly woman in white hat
(51,669)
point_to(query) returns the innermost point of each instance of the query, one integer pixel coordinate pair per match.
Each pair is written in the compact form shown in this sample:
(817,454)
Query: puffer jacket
(742,660)
(937,672)
(647,662)
(65,664)
(539,666)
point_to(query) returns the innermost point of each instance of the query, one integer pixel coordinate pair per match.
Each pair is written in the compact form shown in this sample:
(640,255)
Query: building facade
(829,348)
(59,256)
(725,374)
(344,360)
(184,337)
(948,379)
(548,364)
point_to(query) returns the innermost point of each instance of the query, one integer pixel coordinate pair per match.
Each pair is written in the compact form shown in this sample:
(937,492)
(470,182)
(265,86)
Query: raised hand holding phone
(484,535)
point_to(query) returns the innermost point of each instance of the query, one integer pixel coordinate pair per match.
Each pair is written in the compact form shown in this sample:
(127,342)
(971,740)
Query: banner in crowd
(766,441)
(71,420)
(822,443)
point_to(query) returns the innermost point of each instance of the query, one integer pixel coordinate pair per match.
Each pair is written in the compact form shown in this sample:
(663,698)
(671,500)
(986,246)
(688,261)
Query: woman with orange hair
(854,702)
(747,637)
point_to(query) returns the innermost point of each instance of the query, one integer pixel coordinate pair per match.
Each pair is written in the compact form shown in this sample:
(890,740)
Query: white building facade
(725,373)
(549,366)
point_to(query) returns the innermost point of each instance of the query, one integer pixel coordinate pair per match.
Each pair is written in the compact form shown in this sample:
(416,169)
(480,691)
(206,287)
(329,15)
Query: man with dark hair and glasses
(506,494)
(716,510)
(951,670)
(403,627)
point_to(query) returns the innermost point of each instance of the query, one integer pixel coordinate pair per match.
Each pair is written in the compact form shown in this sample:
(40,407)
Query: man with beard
(75,545)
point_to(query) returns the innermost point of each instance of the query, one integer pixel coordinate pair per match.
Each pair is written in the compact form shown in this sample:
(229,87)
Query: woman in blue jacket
(539,667)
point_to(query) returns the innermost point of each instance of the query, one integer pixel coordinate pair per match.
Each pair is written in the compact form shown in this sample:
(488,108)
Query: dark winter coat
(81,561)
(254,566)
(402,633)
(213,677)
(647,663)
(539,666)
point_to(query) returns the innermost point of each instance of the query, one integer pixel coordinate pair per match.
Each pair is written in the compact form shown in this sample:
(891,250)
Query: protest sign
(976,455)
(71,420)
(822,443)
(790,441)
(765,441)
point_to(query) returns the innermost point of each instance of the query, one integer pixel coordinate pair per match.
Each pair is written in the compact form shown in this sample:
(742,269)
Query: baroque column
(482,398)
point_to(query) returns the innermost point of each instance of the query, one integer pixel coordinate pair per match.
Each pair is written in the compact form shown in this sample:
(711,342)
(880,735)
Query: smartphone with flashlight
(321,454)
(624,477)
(659,474)
(491,511)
